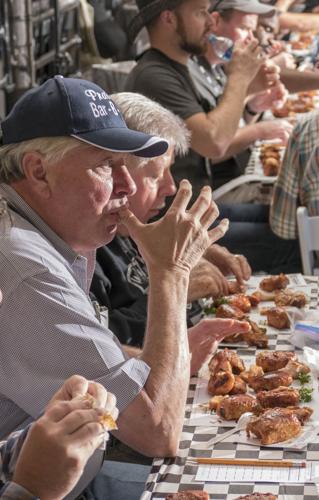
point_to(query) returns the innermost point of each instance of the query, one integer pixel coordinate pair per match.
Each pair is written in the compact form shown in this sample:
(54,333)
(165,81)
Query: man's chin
(110,233)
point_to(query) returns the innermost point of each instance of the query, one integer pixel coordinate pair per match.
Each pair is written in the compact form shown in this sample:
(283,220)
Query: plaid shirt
(298,180)
(9,452)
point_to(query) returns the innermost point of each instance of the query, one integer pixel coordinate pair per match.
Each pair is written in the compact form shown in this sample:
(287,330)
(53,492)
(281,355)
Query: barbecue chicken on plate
(188,495)
(280,397)
(274,283)
(232,407)
(276,317)
(224,368)
(290,298)
(271,361)
(270,381)
(221,383)
(294,367)
(226,360)
(273,426)
(278,424)
(258,496)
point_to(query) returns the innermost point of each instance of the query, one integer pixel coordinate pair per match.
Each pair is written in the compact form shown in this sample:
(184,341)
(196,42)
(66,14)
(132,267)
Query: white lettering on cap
(99,110)
(96,95)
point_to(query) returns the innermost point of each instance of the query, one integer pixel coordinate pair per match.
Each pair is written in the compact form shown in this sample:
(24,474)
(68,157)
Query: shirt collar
(17,204)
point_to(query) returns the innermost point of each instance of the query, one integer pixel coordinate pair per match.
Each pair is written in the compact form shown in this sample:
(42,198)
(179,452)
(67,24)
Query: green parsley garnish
(304,378)
(305,394)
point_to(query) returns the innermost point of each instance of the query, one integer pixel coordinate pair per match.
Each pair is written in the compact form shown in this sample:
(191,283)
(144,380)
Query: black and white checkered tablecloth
(174,475)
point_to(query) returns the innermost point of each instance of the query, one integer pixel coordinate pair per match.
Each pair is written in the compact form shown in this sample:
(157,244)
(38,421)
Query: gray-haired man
(66,186)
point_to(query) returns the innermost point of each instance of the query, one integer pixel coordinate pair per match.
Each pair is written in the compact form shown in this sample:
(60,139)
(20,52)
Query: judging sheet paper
(250,474)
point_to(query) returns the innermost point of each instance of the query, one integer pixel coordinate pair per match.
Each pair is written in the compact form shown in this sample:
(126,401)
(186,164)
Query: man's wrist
(250,111)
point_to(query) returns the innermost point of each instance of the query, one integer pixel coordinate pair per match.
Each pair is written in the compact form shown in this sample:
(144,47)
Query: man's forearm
(166,348)
(225,118)
(243,138)
(298,81)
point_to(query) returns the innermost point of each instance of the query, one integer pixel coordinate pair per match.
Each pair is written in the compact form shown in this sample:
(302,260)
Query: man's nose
(123,182)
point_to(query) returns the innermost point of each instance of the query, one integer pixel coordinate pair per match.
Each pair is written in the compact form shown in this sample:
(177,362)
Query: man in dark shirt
(178,29)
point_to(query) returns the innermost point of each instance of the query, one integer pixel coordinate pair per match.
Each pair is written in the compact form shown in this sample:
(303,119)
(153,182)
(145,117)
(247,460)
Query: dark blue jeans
(250,234)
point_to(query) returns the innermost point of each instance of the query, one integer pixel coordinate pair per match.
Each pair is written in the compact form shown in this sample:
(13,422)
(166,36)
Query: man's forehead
(244,19)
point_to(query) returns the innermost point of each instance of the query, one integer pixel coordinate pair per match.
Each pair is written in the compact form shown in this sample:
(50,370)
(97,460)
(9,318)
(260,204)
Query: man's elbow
(213,149)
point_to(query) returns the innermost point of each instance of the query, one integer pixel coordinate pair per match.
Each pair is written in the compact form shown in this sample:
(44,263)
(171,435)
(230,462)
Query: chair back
(308,230)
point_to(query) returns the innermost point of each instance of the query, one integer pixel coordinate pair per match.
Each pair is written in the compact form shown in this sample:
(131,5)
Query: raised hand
(179,239)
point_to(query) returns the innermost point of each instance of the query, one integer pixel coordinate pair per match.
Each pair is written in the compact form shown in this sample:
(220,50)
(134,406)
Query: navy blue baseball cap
(80,109)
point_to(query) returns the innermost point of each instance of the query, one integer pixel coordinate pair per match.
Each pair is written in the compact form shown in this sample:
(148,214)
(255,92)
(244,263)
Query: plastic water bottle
(222,46)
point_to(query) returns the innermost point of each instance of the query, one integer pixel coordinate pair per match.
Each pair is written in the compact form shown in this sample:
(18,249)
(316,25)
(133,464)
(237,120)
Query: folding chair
(308,229)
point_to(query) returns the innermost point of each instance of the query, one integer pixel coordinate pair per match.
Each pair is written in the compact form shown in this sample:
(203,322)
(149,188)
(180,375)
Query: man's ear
(168,17)
(215,18)
(35,173)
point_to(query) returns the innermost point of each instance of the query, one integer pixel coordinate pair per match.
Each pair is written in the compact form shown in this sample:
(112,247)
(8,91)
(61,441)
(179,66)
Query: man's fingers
(89,436)
(246,269)
(76,386)
(209,216)
(203,203)
(219,231)
(128,219)
(76,419)
(182,197)
(58,410)
(99,393)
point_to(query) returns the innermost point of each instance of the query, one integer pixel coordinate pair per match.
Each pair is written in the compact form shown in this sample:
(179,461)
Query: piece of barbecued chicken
(256,336)
(188,495)
(303,413)
(277,317)
(232,407)
(279,397)
(258,496)
(241,301)
(233,339)
(269,381)
(240,386)
(274,426)
(226,360)
(274,283)
(235,287)
(271,361)
(254,298)
(221,383)
(253,371)
(226,311)
(290,298)
(294,367)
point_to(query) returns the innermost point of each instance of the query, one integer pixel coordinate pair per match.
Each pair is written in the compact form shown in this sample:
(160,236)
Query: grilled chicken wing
(232,407)
(271,361)
(227,311)
(240,386)
(241,301)
(221,383)
(256,335)
(277,317)
(274,283)
(258,496)
(303,413)
(279,397)
(188,495)
(226,360)
(290,298)
(294,367)
(253,371)
(270,381)
(274,426)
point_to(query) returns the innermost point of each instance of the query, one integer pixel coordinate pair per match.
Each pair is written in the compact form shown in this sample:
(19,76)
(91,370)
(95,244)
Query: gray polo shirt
(48,326)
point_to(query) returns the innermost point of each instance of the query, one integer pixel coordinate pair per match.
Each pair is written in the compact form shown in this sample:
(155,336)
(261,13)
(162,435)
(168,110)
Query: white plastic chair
(308,229)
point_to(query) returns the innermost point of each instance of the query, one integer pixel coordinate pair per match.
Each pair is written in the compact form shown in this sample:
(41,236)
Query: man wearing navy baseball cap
(66,186)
